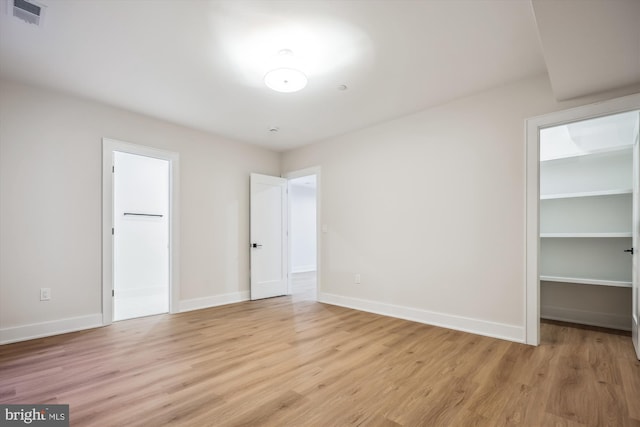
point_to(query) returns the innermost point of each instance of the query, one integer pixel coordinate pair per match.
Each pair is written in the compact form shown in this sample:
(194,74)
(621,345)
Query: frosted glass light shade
(285,80)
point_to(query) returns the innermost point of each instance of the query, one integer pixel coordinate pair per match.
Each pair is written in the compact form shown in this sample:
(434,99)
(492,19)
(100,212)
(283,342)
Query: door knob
(629,250)
(255,245)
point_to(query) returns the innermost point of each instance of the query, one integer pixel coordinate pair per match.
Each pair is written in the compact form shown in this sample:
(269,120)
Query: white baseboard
(476,326)
(46,329)
(303,268)
(459,323)
(592,318)
(63,326)
(213,301)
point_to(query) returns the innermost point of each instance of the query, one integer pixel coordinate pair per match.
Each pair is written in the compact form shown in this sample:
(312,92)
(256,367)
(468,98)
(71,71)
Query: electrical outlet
(45,294)
(357,279)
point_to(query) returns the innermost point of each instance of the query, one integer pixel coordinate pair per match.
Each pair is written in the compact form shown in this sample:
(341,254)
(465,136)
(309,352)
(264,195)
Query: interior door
(635,317)
(268,236)
(141,236)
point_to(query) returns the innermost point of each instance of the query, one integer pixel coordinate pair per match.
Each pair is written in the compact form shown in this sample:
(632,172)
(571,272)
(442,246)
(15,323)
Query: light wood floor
(287,362)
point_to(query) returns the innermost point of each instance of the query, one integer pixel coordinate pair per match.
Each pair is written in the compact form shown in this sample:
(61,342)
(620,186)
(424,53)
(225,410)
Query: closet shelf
(613,192)
(594,153)
(584,235)
(585,281)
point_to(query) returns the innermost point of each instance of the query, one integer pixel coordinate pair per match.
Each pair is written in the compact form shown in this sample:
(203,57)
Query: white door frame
(532,150)
(315,170)
(108,147)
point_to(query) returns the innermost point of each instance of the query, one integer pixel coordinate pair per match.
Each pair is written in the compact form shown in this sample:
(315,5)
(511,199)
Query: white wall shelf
(595,216)
(586,281)
(585,221)
(585,235)
(599,258)
(613,192)
(594,153)
(587,174)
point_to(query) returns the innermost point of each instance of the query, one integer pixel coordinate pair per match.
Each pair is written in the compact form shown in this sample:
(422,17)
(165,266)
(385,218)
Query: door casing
(108,147)
(532,199)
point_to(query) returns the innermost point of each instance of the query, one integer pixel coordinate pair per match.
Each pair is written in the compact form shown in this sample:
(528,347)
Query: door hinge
(113,169)
(112,231)
(113,292)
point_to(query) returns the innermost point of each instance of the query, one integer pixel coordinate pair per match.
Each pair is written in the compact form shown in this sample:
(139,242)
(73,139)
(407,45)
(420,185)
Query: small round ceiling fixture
(285,80)
(274,129)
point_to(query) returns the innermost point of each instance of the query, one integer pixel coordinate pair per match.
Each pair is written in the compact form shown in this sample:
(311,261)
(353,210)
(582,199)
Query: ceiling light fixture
(285,77)
(285,80)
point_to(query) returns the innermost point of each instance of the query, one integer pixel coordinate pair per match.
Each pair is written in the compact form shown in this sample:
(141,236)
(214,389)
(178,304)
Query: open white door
(268,236)
(635,294)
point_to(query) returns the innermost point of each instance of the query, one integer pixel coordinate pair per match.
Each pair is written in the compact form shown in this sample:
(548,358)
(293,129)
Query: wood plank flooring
(292,362)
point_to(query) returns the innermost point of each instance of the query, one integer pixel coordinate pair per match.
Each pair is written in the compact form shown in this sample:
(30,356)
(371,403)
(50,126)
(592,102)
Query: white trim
(592,318)
(466,324)
(314,170)
(47,329)
(213,301)
(585,281)
(532,198)
(108,147)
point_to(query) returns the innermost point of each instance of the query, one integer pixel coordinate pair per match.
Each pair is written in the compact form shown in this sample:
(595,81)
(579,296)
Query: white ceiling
(590,46)
(201,63)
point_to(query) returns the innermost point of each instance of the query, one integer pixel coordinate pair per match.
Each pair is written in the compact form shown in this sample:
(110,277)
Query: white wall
(50,207)
(430,210)
(605,306)
(303,228)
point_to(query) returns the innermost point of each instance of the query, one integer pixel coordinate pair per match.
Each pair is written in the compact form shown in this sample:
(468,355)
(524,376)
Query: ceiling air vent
(29,11)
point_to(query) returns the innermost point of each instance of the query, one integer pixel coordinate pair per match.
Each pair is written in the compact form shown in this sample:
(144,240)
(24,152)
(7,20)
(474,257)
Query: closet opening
(583,217)
(586,194)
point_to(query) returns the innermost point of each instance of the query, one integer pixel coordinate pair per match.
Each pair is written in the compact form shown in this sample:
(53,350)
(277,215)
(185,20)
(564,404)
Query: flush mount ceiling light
(284,75)
(285,80)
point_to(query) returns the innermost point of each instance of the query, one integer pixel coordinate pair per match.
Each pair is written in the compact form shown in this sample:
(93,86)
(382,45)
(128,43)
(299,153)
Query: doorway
(557,213)
(303,234)
(586,220)
(141,238)
(140,231)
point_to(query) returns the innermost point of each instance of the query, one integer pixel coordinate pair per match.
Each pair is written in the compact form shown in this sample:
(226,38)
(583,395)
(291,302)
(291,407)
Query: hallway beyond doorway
(303,286)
